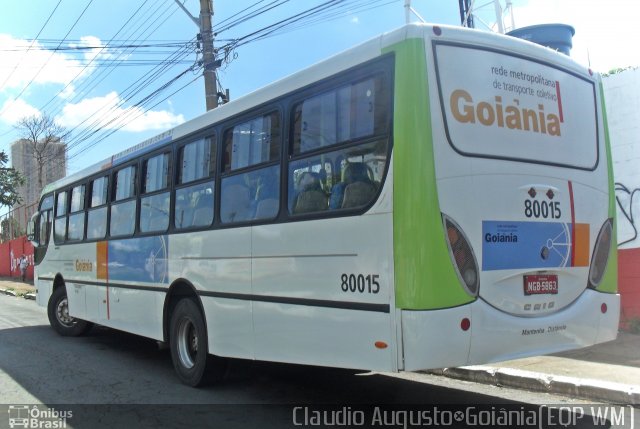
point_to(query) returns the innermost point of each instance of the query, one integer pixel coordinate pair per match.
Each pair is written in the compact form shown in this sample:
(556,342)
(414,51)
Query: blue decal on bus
(513,245)
(139,259)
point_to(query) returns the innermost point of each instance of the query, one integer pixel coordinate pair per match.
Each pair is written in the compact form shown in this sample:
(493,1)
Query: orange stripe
(581,245)
(102,260)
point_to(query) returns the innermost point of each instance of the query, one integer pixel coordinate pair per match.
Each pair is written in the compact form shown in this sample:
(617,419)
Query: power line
(31,45)
(93,58)
(49,59)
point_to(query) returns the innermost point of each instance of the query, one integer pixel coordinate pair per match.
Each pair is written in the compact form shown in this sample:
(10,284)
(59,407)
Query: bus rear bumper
(435,339)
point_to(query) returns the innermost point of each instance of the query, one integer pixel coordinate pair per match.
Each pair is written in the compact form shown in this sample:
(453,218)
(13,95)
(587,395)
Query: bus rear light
(601,254)
(465,324)
(381,345)
(603,308)
(462,256)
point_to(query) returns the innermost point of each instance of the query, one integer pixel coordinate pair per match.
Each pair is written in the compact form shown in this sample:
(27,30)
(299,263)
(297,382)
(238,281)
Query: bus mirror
(32,235)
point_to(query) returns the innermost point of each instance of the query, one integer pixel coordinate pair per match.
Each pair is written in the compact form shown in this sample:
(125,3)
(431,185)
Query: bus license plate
(541,284)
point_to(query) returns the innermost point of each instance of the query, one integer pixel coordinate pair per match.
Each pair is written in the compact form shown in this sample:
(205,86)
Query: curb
(598,390)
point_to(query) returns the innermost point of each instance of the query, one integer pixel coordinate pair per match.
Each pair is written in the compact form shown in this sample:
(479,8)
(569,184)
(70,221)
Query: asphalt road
(112,379)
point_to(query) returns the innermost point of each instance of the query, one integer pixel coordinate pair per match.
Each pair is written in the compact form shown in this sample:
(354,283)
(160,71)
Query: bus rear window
(515,108)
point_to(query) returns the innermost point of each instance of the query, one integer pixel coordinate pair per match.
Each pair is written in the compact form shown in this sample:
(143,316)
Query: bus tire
(59,318)
(189,347)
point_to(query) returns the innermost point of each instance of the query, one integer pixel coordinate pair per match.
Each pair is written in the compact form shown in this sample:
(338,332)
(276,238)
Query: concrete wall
(622,99)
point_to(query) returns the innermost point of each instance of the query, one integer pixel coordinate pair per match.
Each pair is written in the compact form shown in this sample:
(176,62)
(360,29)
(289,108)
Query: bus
(435,197)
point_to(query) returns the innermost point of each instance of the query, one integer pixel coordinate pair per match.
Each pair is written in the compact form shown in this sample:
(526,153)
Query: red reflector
(381,345)
(465,324)
(603,308)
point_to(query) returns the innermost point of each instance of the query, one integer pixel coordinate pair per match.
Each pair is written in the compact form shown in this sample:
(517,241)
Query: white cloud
(14,110)
(355,20)
(19,67)
(108,115)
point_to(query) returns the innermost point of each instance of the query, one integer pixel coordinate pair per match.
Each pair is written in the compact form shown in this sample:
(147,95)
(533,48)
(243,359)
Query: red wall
(10,253)
(629,284)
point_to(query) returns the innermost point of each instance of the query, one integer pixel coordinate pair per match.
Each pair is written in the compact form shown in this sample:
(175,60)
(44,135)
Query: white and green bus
(434,197)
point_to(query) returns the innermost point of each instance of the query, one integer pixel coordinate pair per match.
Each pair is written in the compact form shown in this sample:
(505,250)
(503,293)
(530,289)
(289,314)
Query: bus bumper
(435,339)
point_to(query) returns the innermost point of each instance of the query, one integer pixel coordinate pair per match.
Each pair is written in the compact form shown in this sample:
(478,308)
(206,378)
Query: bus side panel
(136,311)
(218,263)
(333,279)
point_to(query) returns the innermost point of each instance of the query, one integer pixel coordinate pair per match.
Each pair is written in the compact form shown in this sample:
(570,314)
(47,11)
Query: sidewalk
(608,372)
(14,286)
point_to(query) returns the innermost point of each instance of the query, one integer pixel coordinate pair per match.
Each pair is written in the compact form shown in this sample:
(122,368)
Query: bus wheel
(189,347)
(59,318)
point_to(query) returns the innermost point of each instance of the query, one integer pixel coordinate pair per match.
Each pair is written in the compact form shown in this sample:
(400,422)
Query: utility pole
(204,24)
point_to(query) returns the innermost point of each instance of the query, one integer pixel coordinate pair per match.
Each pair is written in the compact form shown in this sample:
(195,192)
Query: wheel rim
(62,313)
(187,343)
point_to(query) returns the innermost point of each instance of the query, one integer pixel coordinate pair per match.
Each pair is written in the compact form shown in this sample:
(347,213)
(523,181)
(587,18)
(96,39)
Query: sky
(105,96)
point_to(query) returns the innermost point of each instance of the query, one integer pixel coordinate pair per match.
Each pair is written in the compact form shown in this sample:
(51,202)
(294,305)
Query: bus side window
(97,215)
(154,207)
(60,224)
(123,207)
(76,214)
(194,203)
(254,194)
(46,215)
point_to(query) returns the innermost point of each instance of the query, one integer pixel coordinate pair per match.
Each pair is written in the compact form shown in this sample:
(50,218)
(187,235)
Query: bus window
(251,196)
(97,216)
(255,194)
(194,204)
(346,178)
(76,214)
(60,225)
(196,160)
(123,210)
(46,212)
(154,209)
(351,112)
(252,142)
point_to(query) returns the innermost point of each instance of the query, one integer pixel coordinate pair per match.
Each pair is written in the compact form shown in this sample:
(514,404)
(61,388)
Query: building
(622,98)
(24,161)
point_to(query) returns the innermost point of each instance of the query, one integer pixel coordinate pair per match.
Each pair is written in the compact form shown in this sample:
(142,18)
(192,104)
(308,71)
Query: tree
(10,179)
(41,133)
(9,229)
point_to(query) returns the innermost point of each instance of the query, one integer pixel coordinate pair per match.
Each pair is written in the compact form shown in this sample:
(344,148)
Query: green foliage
(618,70)
(10,179)
(10,229)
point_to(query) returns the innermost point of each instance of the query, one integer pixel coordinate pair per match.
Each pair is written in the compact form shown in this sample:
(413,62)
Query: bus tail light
(601,254)
(462,256)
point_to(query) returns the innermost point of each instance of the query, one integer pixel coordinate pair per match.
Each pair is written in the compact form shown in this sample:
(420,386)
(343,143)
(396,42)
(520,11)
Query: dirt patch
(17,286)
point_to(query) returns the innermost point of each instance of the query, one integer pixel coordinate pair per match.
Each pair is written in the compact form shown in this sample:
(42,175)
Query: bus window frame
(57,216)
(266,109)
(284,106)
(90,181)
(384,67)
(168,189)
(213,135)
(83,210)
(112,201)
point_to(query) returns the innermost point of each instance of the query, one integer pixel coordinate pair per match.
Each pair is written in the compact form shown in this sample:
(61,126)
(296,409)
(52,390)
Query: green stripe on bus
(610,279)
(424,275)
